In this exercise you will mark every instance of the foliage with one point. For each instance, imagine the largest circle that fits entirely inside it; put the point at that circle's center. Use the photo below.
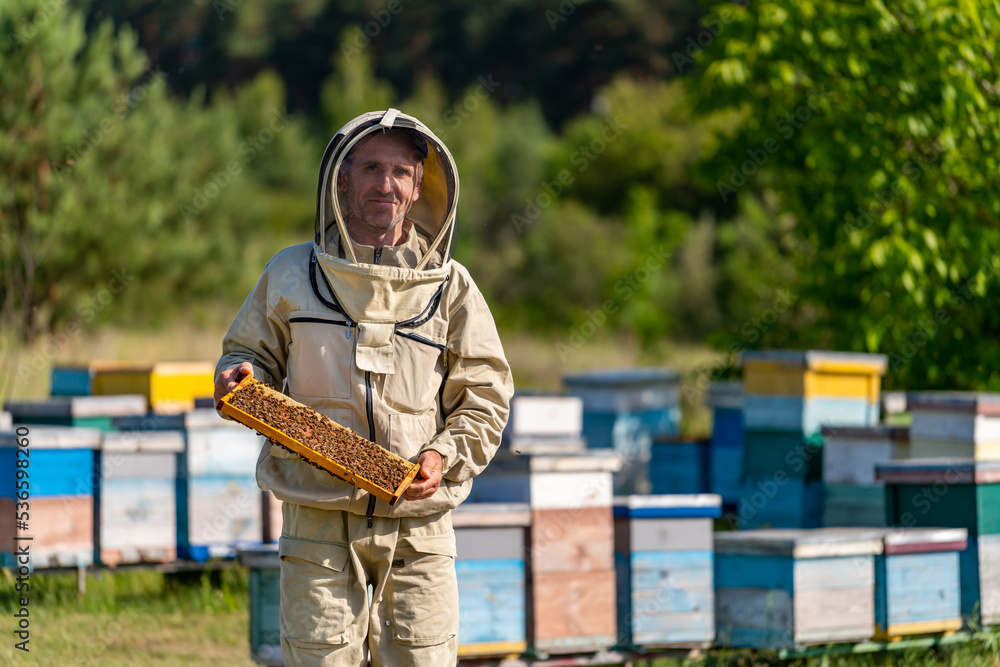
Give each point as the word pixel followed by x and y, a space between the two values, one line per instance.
pixel 124 203
pixel 877 126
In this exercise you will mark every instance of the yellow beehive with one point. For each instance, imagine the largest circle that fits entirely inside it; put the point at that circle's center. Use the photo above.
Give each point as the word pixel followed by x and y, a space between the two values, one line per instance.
pixel 814 374
pixel 169 387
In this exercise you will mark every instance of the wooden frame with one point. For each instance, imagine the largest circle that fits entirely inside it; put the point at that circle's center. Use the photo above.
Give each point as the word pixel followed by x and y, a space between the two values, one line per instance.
pixel 306 452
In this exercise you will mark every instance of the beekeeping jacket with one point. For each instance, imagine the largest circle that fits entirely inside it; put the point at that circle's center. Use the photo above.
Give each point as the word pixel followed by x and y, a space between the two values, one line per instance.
pixel 395 343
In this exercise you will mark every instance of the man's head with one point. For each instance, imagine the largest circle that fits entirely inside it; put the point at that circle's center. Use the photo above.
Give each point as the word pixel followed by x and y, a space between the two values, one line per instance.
pixel 380 179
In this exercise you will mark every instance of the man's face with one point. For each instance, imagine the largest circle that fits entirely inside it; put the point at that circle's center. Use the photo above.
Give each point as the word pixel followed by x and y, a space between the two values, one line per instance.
pixel 380 183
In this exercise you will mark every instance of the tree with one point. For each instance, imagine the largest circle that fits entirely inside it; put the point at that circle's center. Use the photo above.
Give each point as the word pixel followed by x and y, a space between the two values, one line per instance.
pixel 878 126
pixel 119 203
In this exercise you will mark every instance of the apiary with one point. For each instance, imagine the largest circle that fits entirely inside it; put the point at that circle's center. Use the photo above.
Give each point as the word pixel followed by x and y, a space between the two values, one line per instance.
pixel 954 493
pixel 852 495
pixel 789 588
pixel 90 411
pixel 136 497
pixel 319 440
pixel 169 387
pixel 625 409
pixel 955 424
pixel 917 589
pixel 491 541
pixel 58 489
pixel 664 564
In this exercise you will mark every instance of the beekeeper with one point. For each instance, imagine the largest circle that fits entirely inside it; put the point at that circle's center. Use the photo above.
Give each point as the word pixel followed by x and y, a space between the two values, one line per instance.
pixel 375 325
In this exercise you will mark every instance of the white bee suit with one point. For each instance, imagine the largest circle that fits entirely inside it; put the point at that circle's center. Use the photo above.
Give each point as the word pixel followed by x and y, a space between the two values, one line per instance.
pixel 398 344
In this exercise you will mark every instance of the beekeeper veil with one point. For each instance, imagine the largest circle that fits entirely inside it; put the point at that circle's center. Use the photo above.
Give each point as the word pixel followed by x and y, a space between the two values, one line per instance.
pixel 381 298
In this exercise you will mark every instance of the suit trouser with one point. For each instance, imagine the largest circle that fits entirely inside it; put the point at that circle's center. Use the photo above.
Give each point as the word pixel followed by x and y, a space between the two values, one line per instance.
pixel 328 561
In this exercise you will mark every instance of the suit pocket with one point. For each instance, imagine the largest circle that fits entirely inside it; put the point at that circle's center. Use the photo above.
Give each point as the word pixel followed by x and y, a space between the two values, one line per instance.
pixel 315 591
pixel 320 357
pixel 424 591
pixel 408 433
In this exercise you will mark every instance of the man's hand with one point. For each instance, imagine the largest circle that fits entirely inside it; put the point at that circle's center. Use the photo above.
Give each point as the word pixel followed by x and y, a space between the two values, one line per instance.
pixel 428 479
pixel 229 378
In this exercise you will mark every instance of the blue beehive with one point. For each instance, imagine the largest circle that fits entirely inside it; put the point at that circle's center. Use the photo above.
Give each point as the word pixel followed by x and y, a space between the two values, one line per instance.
pixel 664 568
pixel 727 445
pixel 625 409
pixel 679 465
pixel 917 588
pixel 491 568
pixel 58 492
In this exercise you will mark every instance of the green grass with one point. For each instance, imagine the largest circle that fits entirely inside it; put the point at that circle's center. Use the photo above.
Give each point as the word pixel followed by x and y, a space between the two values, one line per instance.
pixel 136 617
pixel 143 617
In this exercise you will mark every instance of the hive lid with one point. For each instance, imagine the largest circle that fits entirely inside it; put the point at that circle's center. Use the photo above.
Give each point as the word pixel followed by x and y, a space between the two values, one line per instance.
pixel 668 506
pixel 55 437
pixel 924 540
pixel 938 470
pixel 801 542
pixel 983 403
pixel 867 433
pixel 820 360
pixel 725 395
pixel 80 406
pixel 623 377
pixel 481 515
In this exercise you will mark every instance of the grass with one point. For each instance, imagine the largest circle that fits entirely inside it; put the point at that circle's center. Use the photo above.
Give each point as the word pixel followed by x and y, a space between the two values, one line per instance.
pixel 201 619
pixel 135 617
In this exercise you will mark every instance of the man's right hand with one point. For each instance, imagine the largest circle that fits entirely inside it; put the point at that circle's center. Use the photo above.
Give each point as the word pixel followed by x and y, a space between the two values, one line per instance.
pixel 229 378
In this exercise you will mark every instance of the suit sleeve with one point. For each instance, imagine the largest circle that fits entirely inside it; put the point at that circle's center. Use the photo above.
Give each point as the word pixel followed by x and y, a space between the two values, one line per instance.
pixel 259 336
pixel 476 393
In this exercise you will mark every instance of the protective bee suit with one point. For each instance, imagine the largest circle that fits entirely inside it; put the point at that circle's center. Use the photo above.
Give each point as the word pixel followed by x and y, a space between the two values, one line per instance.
pixel 398 344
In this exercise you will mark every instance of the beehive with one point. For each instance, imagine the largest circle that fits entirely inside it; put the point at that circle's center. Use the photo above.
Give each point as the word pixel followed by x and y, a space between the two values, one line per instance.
pixel 917 588
pixel 852 495
pixel 169 387
pixel 954 493
pixel 625 409
pixel 679 465
pixel 784 589
pixel 319 440
pixel 571 564
pixel 727 445
pixel 264 567
pixel 90 411
pixel 136 497
pixel 219 504
pixel 545 424
pixel 664 563
pixel 955 424
pixel 60 495
pixel 491 541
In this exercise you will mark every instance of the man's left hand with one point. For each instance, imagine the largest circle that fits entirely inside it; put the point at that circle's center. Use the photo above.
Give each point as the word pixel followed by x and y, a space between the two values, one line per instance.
pixel 428 479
